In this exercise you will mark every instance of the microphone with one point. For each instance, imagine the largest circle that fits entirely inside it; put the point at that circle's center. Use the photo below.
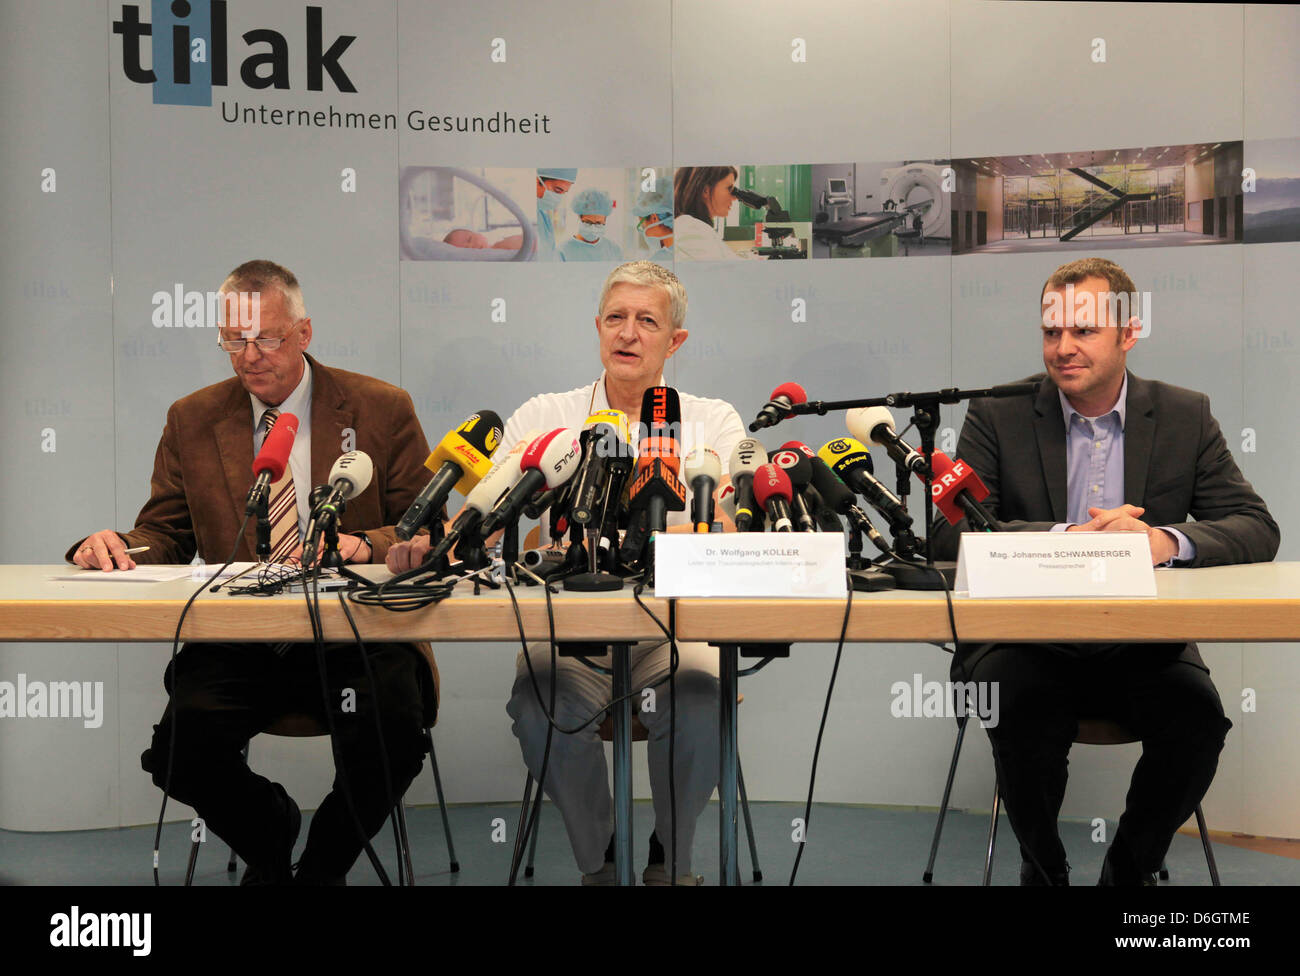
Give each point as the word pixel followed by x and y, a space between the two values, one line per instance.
pixel 655 486
pixel 876 424
pixel 850 460
pixel 748 456
pixel 777 409
pixel 349 477
pixel 269 465
pixel 799 470
pixel 480 501
pixel 461 458
pixel 837 496
pixel 605 445
pixel 772 491
pixel 550 460
pixel 958 491
pixel 703 471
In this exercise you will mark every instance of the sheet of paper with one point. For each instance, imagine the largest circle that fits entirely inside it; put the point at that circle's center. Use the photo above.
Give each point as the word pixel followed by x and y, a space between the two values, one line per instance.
pixel 154 573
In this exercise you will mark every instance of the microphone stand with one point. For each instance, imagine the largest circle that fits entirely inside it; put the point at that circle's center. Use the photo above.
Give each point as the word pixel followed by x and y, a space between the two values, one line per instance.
pixel 865 577
pixel 594 580
pixel 510 548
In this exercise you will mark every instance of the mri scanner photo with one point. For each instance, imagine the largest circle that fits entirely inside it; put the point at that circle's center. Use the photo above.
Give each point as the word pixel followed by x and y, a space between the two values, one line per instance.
pixel 450 214
pixel 881 210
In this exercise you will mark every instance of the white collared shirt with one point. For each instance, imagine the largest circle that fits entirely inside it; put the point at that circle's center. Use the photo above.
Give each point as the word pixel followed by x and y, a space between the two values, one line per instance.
pixel 706 422
pixel 297 403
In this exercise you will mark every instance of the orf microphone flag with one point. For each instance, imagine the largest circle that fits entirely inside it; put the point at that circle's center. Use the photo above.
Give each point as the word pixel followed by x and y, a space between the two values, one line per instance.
pixel 958 491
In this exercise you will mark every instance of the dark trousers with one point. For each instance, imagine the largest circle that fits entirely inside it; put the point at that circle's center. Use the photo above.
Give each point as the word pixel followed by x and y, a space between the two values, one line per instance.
pixel 223 694
pixel 1170 704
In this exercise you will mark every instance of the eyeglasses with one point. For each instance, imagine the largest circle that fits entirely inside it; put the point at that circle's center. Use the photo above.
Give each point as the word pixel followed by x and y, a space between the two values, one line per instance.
pixel 263 343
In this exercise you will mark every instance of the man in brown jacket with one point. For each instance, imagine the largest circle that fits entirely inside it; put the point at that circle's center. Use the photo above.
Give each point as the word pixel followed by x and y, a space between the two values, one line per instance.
pixel 222 694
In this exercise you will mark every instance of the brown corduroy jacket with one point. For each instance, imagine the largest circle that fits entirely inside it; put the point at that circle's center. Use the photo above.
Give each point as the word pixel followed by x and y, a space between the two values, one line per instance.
pixel 203 468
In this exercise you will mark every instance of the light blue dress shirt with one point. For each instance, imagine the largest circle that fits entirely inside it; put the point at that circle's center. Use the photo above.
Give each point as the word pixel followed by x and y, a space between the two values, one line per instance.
pixel 1094 457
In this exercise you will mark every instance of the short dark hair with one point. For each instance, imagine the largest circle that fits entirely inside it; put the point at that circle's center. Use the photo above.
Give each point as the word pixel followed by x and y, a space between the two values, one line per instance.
pixel 1076 271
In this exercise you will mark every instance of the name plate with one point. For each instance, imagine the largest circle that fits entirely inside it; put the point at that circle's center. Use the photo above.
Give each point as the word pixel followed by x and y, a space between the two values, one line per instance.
pixel 737 564
pixel 1055 564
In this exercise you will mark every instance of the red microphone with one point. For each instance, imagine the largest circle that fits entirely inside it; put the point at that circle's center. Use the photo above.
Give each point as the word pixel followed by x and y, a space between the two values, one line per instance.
pixel 777 409
pixel 958 491
pixel 271 460
pixel 773 491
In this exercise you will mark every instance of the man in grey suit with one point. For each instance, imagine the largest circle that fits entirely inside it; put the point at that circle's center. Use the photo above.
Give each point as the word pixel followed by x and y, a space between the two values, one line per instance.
pixel 1101 450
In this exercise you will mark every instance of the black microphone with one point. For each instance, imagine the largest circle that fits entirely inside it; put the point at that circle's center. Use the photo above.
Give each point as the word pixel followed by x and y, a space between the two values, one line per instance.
pixel 876 424
pixel 604 455
pixel 778 407
pixel 838 498
pixel 851 461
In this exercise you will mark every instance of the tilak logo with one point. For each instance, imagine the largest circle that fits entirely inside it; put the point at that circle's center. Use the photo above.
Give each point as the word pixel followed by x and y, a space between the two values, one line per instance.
pixel 191 52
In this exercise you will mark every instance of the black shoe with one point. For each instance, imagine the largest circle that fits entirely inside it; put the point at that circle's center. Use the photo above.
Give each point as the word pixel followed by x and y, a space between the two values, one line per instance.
pixel 281 871
pixel 1119 870
pixel 657 855
pixel 1031 877
pixel 306 879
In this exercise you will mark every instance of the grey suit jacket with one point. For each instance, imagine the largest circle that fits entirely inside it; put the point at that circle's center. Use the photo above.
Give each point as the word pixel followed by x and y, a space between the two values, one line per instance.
pixel 1176 465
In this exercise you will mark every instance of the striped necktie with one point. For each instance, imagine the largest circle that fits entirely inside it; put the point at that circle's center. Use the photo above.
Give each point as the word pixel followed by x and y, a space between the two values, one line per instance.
pixel 283 507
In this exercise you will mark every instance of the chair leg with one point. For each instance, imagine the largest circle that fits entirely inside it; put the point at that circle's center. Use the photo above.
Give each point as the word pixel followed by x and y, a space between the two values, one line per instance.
pixel 404 842
pixel 749 824
pixel 189 868
pixel 397 845
pixel 928 876
pixel 993 833
pixel 1205 843
pixel 532 843
pixel 442 802
pixel 520 839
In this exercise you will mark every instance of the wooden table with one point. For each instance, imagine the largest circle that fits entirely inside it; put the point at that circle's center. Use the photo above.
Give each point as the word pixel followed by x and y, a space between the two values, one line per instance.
pixel 1259 602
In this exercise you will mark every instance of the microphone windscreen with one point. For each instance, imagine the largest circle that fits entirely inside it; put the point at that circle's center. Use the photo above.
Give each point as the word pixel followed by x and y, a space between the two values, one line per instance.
pixel 862 421
pixel 747 457
pixel 702 461
pixel 791 391
pixel 355 469
pixel 797 467
pixel 274 454
pixel 771 482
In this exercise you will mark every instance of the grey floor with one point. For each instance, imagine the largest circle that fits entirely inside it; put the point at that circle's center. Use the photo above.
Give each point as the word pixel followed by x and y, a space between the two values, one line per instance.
pixel 847 845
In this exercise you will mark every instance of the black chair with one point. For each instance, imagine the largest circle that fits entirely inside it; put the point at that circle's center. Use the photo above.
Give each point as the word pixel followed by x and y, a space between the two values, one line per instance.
pixel 1092 731
pixel 304 726
pixel 639 734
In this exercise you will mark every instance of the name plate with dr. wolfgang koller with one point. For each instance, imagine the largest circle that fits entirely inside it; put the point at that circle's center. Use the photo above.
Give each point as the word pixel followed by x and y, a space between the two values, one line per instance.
pixel 1055 564
pixel 769 564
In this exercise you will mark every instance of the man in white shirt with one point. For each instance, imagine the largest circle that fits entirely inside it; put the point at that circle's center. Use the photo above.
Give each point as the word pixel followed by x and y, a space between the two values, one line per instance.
pixel 640 326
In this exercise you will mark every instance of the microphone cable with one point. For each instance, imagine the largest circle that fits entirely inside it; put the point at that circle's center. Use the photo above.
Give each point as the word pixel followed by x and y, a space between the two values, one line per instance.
pixel 379 732
pixel 171 694
pixel 549 712
pixel 821 729
pixel 529 817
pixel 318 638
pixel 673 660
